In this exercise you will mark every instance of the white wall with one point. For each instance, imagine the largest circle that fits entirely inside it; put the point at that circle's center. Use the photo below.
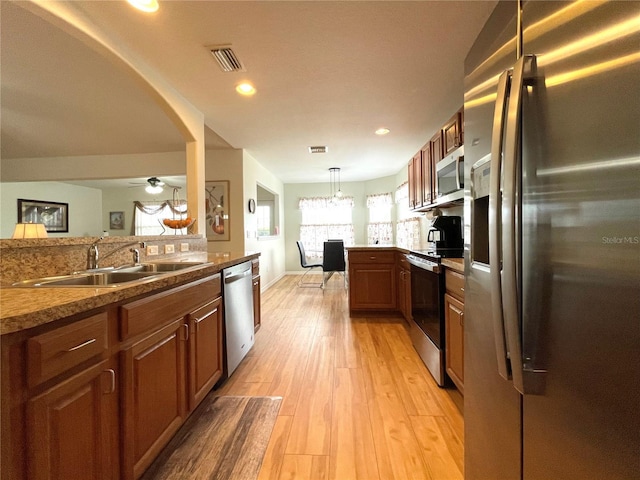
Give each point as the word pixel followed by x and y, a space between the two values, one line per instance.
pixel 228 165
pixel 85 206
pixel 272 249
pixel 121 200
pixel 90 167
pixel 357 190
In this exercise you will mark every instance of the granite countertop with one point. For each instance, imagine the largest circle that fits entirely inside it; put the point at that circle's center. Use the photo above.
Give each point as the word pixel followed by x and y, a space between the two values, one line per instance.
pixel 23 307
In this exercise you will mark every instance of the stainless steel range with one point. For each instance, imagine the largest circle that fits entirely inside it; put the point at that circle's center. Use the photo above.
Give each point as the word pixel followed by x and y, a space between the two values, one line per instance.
pixel 427 292
pixel 427 325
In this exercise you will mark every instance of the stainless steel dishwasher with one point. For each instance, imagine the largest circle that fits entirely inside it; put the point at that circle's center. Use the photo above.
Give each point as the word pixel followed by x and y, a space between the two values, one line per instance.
pixel 238 313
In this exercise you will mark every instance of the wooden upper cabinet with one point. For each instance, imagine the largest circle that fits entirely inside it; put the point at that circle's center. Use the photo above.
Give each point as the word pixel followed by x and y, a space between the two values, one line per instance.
pixel 415 181
pixel 437 153
pixel 452 134
pixel 427 175
pixel 412 181
pixel 422 167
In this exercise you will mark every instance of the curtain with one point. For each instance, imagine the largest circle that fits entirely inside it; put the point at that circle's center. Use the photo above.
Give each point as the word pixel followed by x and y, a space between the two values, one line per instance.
pixel 380 233
pixel 402 193
pixel 148 216
pixel 379 200
pixel 408 233
pixel 325 218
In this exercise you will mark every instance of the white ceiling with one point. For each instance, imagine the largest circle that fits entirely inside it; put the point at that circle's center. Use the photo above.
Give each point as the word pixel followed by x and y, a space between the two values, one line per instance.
pixel 326 73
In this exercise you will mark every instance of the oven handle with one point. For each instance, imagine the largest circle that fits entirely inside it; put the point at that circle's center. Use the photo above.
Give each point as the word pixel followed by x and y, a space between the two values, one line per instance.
pixel 422 265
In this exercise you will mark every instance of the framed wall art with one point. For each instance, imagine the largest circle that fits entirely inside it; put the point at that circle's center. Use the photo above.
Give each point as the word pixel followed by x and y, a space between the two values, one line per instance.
pixel 217 210
pixel 54 215
pixel 116 220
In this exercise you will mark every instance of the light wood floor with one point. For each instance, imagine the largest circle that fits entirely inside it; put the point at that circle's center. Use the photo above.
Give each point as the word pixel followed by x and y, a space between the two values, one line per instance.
pixel 358 403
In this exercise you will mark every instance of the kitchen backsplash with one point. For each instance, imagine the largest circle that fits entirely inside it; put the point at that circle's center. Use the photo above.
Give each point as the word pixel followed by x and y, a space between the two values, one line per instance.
pixel 25 259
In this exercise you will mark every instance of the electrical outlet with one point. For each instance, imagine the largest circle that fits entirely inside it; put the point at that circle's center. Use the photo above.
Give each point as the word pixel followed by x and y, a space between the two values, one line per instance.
pixel 184 247
pixel 152 250
pixel 169 248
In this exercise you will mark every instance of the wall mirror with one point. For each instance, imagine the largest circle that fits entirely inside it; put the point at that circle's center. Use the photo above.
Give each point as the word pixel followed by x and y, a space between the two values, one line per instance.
pixel 73 122
pixel 267 212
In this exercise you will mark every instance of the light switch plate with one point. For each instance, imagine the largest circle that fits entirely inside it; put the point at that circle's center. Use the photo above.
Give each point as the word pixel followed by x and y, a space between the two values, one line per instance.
pixel 184 247
pixel 152 250
pixel 169 248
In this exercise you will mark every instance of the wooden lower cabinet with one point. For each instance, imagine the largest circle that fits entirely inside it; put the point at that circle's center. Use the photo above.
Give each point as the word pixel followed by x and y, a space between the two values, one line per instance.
pixel 454 325
pixel 404 287
pixel 68 427
pixel 168 368
pixel 154 395
pixel 372 280
pixel 98 397
pixel 256 303
pixel 205 350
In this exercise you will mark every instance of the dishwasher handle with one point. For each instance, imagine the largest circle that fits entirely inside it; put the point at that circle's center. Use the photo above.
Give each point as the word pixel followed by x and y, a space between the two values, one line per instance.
pixel 238 276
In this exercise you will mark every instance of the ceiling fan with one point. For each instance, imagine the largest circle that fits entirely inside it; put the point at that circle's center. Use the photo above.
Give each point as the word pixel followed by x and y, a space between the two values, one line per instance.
pixel 154 185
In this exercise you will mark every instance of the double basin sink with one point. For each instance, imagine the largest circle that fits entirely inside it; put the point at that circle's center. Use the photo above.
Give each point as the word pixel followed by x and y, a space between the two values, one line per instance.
pixel 110 277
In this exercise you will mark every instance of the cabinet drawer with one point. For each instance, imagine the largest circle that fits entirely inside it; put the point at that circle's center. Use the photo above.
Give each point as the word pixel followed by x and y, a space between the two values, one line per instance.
pixel 138 317
pixel 57 351
pixel 403 263
pixel 372 256
pixel 454 282
pixel 255 267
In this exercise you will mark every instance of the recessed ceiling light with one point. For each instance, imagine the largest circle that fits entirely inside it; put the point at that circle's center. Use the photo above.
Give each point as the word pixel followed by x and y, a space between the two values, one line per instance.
pixel 148 6
pixel 245 89
pixel 382 131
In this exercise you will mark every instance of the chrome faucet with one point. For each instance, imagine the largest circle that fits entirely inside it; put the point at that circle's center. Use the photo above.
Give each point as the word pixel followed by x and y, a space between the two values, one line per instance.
pixel 94 254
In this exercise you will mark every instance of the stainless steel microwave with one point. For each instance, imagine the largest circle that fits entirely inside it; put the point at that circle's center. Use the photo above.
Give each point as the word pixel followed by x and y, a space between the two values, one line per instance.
pixel 450 177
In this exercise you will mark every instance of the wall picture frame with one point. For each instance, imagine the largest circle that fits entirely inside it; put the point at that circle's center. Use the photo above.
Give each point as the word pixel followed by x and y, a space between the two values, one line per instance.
pixel 217 208
pixel 116 220
pixel 54 215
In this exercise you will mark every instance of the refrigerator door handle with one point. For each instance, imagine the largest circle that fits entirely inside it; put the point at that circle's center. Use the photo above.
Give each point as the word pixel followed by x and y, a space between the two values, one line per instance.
pixel 495 202
pixel 511 300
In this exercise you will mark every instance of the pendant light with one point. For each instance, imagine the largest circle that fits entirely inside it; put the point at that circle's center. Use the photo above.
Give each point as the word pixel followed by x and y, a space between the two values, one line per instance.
pixel 334 180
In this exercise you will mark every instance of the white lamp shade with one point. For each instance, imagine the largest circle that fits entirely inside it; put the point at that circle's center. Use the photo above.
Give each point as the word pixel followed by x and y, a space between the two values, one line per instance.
pixel 30 230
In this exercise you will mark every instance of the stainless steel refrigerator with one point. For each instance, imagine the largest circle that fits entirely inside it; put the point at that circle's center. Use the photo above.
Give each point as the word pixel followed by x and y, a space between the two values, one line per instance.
pixel 552 243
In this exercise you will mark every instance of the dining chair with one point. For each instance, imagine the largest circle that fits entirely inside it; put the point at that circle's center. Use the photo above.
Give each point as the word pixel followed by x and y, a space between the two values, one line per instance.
pixel 333 261
pixel 308 267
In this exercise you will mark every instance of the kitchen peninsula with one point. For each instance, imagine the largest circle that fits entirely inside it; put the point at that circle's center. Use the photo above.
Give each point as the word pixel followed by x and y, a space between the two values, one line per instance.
pixel 80 396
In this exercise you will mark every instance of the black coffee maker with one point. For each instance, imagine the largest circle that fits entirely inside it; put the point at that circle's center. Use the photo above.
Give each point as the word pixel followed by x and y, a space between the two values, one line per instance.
pixel 445 236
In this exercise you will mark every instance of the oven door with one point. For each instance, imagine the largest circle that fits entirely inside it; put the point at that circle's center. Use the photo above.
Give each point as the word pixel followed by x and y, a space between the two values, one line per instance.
pixel 426 301
pixel 427 328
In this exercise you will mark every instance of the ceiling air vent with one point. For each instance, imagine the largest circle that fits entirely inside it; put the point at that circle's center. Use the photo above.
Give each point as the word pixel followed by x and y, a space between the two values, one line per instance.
pixel 227 59
pixel 318 149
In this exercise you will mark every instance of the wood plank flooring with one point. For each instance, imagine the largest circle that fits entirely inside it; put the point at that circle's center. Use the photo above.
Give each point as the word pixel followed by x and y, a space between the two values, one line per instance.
pixel 357 401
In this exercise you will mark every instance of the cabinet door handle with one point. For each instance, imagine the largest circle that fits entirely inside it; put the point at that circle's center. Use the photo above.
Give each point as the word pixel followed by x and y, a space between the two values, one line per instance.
pixel 456 310
pixel 461 319
pixel 112 383
pixel 186 331
pixel 255 284
pixel 83 344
